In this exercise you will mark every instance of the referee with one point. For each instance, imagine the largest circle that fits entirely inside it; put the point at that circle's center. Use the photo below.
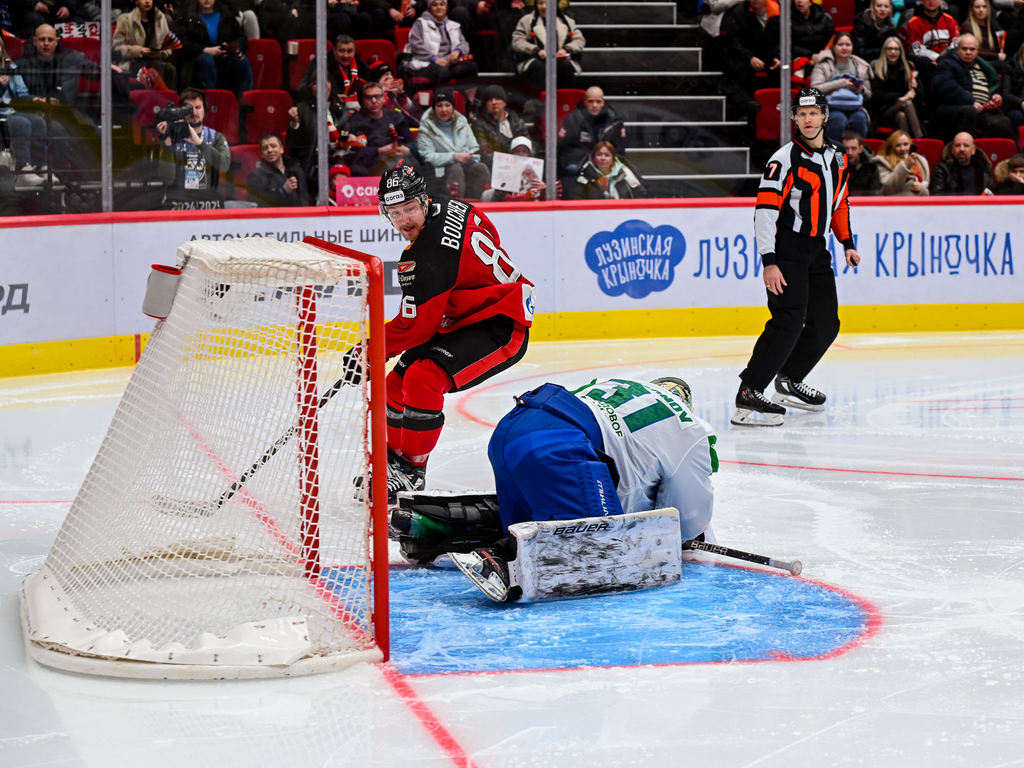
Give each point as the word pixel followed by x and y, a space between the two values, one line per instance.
pixel 803 192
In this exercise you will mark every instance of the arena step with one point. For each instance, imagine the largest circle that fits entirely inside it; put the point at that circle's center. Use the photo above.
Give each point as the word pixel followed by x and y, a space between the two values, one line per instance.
pixel 690 161
pixel 645 60
pixel 727 185
pixel 634 83
pixel 687 134
pixel 623 13
pixel 669 108
pixel 649 35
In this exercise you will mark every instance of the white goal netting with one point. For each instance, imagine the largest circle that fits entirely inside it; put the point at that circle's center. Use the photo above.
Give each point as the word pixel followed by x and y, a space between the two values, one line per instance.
pixel 217 533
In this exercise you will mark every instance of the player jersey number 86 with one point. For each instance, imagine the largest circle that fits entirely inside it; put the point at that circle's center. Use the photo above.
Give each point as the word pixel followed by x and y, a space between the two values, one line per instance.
pixel 493 256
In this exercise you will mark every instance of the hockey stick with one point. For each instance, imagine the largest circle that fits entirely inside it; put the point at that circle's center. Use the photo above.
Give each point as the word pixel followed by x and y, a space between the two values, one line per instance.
pixel 794 567
pixel 182 508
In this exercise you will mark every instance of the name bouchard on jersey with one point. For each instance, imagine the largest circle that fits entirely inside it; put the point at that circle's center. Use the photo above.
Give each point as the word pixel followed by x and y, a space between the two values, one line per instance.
pixel 454 226
pixel 636 258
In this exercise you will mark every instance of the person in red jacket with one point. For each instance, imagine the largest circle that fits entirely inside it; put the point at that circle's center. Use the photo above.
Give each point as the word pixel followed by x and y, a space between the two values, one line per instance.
pixel 465 316
pixel 927 35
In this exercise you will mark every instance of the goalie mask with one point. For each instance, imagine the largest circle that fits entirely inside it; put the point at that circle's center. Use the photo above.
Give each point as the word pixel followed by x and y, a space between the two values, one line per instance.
pixel 400 185
pixel 677 387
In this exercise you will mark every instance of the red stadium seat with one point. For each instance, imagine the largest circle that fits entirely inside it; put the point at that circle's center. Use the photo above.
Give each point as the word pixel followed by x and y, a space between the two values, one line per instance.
pixel 931 149
pixel 841 11
pixel 243 161
pixel 90 46
pixel 567 98
pixel 13 45
pixel 401 38
pixel 148 103
pixel 997 149
pixel 377 50
pixel 766 125
pixel 873 144
pixel 1020 137
pixel 265 59
pixel 300 62
pixel 265 112
pixel 222 113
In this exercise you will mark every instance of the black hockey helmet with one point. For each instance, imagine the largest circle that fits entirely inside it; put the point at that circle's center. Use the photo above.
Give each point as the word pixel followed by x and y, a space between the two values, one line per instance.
pixel 677 387
pixel 400 185
pixel 810 97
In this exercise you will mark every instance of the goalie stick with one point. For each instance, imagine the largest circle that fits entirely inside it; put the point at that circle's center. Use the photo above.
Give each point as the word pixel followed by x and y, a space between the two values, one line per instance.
pixel 182 508
pixel 794 567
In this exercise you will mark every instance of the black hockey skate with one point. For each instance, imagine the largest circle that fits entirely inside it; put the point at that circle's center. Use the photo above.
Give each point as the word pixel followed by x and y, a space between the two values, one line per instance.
pixel 796 394
pixel 489 571
pixel 753 409
pixel 403 475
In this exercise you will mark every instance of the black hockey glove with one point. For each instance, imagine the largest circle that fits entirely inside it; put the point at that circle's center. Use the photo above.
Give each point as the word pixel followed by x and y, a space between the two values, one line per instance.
pixel 352 365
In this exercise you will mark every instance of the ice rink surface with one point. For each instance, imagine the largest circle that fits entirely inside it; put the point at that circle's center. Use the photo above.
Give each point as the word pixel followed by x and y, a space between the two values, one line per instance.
pixel 906 493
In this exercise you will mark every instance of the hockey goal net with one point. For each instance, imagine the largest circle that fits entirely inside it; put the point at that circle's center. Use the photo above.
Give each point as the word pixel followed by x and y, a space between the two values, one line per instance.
pixel 217 534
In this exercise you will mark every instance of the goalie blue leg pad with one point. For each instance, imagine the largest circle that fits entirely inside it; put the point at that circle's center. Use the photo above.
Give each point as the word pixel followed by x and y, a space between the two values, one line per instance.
pixel 596 555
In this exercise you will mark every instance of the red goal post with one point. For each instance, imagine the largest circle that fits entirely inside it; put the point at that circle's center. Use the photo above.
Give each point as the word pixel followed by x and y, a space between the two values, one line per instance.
pixel 217 533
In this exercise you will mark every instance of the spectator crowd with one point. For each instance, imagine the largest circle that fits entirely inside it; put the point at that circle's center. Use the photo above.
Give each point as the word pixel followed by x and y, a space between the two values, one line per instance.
pixel 222 102
pixel 904 72
pixel 185 78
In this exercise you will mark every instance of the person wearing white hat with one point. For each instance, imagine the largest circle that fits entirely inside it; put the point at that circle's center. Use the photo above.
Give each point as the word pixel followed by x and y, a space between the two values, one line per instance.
pixel 534 186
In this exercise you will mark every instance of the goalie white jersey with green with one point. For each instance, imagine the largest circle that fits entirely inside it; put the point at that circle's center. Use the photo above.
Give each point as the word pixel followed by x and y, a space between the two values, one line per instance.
pixel 664 455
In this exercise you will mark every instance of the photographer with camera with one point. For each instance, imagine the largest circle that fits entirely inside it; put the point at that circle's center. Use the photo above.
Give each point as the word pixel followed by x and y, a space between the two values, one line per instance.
pixel 192 156
pixel 277 181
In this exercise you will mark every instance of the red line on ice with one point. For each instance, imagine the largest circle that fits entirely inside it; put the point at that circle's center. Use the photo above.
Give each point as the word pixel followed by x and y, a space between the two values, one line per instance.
pixel 871 471
pixel 427 718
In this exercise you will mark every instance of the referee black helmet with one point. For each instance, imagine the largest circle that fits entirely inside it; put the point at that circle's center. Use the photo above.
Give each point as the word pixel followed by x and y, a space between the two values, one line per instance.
pixel 811 97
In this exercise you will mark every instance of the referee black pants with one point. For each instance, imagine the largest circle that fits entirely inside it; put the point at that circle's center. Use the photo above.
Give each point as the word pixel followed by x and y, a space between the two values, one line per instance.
pixel 805 317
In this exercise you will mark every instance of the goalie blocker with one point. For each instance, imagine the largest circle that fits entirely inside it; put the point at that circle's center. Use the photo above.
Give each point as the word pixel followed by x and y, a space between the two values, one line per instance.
pixel 572 558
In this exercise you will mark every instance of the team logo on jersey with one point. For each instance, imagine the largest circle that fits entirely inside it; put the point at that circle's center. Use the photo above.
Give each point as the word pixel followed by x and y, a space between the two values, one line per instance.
pixel 406 266
pixel 636 259
pixel 841 157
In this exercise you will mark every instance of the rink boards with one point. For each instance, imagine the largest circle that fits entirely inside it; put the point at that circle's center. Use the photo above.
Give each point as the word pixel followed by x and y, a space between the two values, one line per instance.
pixel 71 288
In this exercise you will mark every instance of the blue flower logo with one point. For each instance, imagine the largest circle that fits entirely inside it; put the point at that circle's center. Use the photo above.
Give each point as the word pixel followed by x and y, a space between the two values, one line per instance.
pixel 636 259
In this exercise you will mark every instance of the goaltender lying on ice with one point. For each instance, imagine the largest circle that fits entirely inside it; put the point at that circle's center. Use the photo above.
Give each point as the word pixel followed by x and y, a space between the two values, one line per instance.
pixel 598 488
pixel 612 449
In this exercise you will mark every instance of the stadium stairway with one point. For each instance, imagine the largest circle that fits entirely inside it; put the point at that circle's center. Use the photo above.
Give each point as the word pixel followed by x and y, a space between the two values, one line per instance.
pixel 653 71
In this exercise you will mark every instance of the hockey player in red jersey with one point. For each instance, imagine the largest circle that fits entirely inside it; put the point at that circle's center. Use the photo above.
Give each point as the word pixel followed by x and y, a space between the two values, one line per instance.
pixel 465 315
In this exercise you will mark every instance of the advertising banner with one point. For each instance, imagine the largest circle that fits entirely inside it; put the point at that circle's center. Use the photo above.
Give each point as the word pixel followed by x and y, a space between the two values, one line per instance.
pixel 86 280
